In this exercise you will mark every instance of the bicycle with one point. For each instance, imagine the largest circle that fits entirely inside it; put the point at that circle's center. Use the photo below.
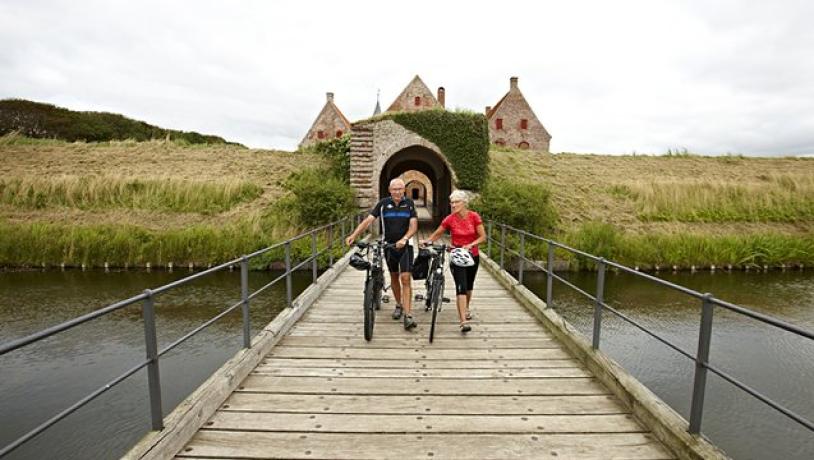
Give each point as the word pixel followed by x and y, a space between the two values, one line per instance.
pixel 435 284
pixel 374 281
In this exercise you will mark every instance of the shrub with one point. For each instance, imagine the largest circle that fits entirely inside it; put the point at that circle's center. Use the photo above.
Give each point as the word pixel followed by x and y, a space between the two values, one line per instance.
pixel 522 205
pixel 338 152
pixel 316 197
pixel 35 119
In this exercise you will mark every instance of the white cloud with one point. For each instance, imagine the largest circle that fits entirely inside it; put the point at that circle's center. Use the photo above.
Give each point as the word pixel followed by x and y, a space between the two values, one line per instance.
pixel 607 77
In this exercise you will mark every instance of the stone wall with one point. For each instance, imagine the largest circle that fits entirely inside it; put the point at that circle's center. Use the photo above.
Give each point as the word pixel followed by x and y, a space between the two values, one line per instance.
pixel 373 144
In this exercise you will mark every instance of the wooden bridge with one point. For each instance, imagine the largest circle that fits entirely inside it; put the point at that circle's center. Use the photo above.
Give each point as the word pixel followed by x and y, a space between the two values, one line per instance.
pixel 505 390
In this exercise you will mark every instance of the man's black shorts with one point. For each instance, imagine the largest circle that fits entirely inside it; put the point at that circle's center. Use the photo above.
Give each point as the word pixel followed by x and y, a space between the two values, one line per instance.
pixel 399 261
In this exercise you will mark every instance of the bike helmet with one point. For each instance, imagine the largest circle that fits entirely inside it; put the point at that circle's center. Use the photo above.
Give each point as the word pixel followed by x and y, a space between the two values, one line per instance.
pixel 359 262
pixel 461 257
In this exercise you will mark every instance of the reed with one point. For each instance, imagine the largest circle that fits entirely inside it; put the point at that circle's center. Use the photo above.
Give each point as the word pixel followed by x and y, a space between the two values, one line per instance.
pixel 775 198
pixel 119 192
pixel 685 250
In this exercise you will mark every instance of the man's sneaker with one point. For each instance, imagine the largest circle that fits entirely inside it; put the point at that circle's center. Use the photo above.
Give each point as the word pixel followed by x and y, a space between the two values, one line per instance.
pixel 409 323
pixel 397 312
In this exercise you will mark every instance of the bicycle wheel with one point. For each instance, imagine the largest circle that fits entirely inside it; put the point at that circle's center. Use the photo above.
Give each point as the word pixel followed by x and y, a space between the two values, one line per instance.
pixel 437 295
pixel 369 310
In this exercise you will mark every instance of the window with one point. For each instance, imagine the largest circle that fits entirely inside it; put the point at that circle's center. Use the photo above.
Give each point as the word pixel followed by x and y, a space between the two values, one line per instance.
pixel 499 123
pixel 320 134
pixel 523 145
pixel 524 124
pixel 417 101
pixel 338 133
pixel 500 142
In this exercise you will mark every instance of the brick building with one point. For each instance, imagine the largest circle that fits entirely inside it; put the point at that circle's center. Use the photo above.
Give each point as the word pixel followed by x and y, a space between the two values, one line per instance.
pixel 512 123
pixel 330 124
pixel 417 96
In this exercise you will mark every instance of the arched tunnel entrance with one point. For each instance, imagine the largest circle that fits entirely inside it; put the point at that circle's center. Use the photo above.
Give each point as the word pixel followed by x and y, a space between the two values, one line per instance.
pixel 427 177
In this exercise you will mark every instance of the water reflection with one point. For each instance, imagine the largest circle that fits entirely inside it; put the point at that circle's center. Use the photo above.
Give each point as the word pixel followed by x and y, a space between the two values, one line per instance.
pixel 776 363
pixel 43 379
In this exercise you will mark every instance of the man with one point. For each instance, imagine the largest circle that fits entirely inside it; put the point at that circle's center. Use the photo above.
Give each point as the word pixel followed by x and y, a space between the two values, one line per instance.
pixel 400 224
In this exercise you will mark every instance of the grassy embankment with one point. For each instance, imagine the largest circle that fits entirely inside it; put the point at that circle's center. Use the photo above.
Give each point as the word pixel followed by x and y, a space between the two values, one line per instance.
pixel 683 210
pixel 133 203
pixel 130 203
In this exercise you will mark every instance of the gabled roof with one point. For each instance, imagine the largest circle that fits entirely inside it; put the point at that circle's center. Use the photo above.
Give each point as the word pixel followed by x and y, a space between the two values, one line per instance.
pixel 515 93
pixel 416 85
pixel 496 106
pixel 327 109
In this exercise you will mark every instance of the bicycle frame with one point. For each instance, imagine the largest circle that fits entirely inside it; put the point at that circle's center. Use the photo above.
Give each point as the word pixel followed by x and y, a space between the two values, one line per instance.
pixel 438 259
pixel 435 282
pixel 374 283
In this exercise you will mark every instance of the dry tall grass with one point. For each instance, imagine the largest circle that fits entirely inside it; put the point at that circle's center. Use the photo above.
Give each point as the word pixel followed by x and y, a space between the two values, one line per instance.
pixel 111 192
pixel 776 198
pixel 186 170
pixel 629 191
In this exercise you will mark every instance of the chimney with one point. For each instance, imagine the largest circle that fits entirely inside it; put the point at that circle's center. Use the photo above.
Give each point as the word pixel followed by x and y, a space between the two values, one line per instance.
pixel 488 109
pixel 442 99
pixel 330 97
pixel 513 83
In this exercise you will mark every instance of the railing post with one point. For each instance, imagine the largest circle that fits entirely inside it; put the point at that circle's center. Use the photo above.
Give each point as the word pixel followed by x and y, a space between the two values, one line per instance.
pixel 288 288
pixel 549 287
pixel 502 243
pixel 489 238
pixel 522 257
pixel 600 298
pixel 153 376
pixel 314 256
pixel 701 361
pixel 244 295
pixel 331 245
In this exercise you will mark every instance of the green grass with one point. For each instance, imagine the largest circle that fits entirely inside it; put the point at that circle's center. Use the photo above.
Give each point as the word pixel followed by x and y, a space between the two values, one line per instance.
pixel 667 249
pixel 32 244
pixel 112 192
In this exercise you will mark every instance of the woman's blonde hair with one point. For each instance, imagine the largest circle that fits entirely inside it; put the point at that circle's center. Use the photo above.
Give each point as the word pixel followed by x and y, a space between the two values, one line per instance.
pixel 459 195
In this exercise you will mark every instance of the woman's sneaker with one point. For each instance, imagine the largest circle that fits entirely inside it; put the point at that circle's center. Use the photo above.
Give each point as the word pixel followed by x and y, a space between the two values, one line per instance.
pixel 397 312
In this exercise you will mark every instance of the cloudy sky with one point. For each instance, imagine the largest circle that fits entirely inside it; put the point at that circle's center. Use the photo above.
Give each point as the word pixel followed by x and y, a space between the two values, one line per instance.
pixel 711 77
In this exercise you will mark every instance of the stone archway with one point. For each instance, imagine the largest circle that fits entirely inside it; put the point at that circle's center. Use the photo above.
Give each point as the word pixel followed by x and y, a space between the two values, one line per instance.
pixel 382 150
pixel 418 187
pixel 417 191
pixel 423 160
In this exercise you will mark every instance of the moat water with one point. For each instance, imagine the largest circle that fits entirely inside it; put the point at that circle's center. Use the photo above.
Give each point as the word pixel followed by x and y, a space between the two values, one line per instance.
pixel 40 380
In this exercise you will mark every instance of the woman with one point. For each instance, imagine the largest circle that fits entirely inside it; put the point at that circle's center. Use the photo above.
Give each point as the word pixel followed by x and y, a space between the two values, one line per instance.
pixel 466 228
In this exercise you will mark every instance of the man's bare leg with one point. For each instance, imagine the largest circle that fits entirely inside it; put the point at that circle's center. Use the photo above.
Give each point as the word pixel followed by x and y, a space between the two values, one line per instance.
pixel 406 293
pixel 396 287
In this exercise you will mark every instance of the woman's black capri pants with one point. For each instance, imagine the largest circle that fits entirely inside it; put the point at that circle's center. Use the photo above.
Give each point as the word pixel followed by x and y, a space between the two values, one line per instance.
pixel 464 277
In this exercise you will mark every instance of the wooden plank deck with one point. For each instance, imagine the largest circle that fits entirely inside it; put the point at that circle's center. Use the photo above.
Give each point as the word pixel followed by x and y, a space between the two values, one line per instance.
pixel 505 390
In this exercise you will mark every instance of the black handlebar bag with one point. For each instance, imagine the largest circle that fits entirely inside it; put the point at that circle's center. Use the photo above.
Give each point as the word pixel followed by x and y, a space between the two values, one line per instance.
pixel 421 264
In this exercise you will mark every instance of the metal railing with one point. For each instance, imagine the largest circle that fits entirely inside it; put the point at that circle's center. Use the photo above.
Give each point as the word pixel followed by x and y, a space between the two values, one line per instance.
pixel 707 300
pixel 147 299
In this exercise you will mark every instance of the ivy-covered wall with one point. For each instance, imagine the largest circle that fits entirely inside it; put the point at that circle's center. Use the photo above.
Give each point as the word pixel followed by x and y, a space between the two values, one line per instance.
pixel 463 138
